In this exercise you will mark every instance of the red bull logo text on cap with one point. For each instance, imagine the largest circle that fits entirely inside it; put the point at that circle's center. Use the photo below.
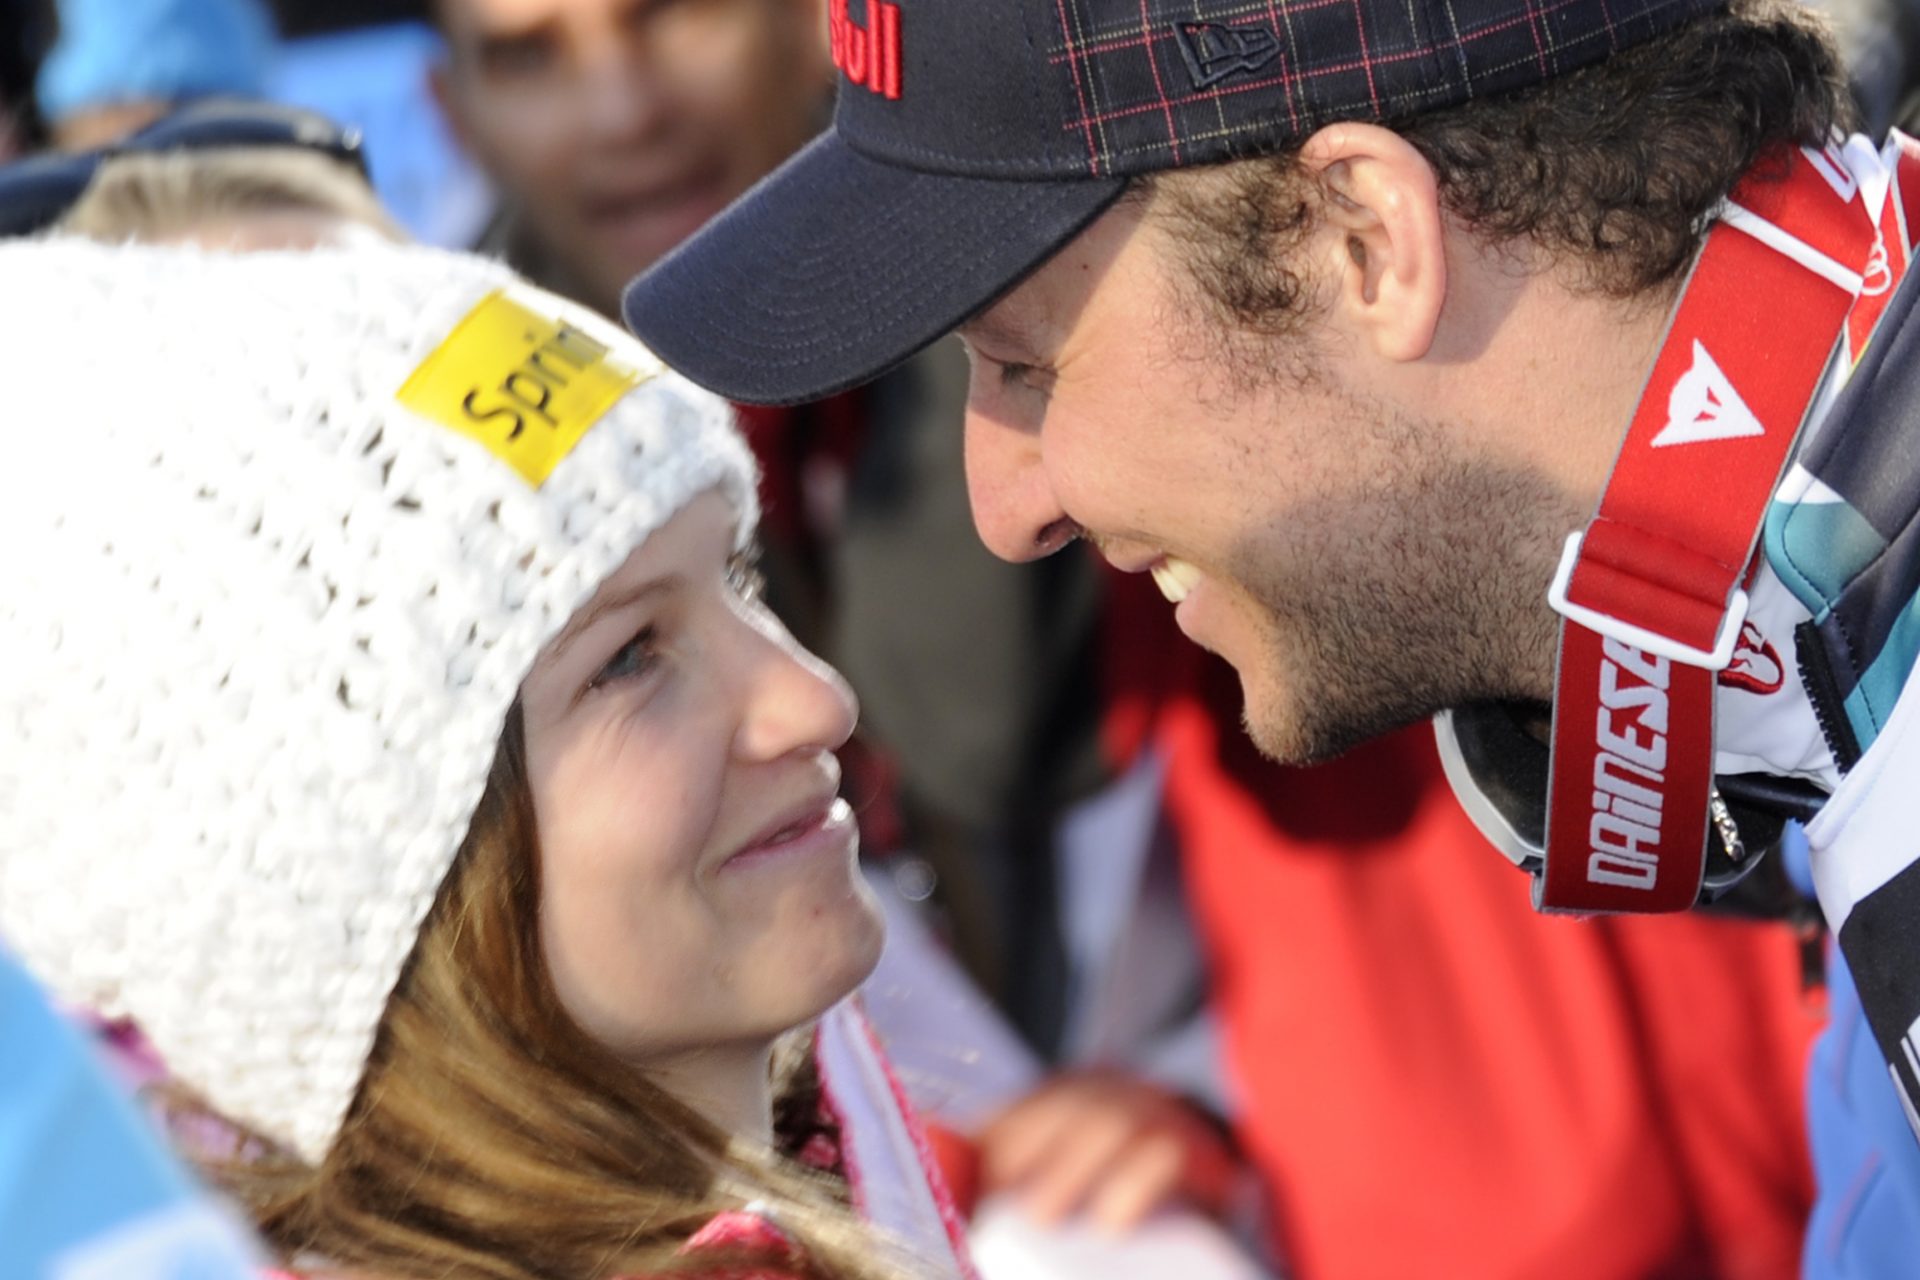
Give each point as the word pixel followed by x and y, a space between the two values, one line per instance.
pixel 868 55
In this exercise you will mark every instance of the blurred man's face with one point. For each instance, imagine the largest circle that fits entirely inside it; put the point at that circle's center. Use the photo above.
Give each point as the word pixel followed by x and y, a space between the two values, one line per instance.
pixel 617 127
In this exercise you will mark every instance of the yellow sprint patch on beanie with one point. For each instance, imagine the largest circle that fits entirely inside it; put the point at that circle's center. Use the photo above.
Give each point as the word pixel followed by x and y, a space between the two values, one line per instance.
pixel 521 382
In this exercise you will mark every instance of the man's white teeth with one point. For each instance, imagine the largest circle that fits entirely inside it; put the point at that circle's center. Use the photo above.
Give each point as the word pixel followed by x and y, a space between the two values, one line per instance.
pixel 1175 578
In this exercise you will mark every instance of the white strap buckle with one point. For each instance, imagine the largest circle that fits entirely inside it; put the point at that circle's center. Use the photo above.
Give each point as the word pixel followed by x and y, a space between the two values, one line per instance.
pixel 1714 659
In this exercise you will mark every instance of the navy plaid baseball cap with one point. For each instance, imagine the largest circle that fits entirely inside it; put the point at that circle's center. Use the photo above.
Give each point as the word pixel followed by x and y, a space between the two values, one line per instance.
pixel 974 138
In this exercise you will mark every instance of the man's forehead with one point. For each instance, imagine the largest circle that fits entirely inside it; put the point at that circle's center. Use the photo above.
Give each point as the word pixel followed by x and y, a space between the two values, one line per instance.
pixel 1037 314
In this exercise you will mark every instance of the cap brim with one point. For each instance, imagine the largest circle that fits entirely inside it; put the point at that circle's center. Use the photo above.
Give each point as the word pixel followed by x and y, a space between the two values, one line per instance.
pixel 836 267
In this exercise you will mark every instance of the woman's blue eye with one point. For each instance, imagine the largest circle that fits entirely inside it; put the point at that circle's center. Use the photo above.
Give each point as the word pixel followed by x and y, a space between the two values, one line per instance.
pixel 634 658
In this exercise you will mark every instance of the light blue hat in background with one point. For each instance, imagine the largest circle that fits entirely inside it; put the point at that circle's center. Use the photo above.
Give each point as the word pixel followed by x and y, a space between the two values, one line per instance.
pixel 115 51
pixel 85 1188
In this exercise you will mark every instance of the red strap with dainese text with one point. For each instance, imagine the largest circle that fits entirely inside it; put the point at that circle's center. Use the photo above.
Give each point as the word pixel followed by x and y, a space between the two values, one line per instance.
pixel 1650 592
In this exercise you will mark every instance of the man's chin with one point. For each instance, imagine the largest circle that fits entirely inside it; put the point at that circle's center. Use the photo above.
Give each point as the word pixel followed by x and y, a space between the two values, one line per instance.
pixel 1287 730
pixel 1290 743
pixel 1280 729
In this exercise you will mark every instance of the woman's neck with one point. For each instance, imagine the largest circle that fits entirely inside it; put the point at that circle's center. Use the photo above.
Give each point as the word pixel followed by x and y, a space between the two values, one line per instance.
pixel 729 1086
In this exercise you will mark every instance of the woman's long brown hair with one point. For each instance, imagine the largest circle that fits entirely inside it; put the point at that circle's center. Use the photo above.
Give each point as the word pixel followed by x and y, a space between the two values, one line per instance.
pixel 491 1137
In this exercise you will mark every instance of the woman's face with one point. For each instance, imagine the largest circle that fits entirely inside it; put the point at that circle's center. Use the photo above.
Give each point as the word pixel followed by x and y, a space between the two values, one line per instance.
pixel 698 879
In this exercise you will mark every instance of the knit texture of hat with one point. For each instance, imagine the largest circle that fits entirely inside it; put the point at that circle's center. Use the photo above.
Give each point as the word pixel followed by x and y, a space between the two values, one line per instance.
pixel 264 624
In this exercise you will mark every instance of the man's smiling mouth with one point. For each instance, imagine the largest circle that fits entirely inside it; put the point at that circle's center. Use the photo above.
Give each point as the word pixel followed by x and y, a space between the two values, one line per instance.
pixel 1175 578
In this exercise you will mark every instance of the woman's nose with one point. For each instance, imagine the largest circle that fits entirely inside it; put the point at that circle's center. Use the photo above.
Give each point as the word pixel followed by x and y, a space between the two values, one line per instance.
pixel 795 702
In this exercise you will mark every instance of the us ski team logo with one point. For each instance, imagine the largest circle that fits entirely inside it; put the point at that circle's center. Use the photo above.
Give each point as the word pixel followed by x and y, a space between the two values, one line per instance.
pixel 1704 406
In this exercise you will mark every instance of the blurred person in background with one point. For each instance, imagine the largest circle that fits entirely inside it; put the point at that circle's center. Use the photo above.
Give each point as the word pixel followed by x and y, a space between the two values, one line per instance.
pixel 120 65
pixel 221 171
pixel 471 846
pixel 245 198
pixel 367 64
pixel 117 65
pixel 206 175
pixel 613 129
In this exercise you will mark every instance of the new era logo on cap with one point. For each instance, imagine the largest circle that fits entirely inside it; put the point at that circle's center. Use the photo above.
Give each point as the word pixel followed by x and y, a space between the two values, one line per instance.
pixel 1214 51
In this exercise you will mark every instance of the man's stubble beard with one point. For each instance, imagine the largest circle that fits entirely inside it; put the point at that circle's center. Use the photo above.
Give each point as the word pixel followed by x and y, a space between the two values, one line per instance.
pixel 1422 588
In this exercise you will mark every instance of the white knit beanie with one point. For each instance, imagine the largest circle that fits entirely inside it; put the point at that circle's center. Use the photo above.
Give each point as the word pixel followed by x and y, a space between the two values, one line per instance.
pixel 263 622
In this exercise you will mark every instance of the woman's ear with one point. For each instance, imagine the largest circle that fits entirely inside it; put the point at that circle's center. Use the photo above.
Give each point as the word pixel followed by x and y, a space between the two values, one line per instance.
pixel 1381 216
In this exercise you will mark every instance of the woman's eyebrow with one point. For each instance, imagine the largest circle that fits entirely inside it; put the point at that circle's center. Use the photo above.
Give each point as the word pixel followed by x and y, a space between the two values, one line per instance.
pixel 624 598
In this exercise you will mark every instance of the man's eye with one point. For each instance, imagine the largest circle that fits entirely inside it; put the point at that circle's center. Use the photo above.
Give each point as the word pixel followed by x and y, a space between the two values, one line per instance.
pixel 642 12
pixel 631 660
pixel 744 576
pixel 516 56
pixel 1029 377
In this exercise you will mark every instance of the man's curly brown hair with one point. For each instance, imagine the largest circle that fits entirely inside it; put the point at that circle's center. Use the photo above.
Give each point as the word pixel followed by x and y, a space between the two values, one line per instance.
pixel 1613 170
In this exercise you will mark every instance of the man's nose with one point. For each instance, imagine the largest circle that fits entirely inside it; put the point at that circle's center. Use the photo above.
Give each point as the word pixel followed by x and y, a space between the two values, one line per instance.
pixel 624 94
pixel 1014 507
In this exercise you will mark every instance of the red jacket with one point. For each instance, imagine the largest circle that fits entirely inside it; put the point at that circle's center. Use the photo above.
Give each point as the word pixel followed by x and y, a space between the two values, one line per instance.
pixel 1437 1081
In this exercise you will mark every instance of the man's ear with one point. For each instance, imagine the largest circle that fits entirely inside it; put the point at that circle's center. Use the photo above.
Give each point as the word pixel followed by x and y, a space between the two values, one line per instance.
pixel 1382 218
